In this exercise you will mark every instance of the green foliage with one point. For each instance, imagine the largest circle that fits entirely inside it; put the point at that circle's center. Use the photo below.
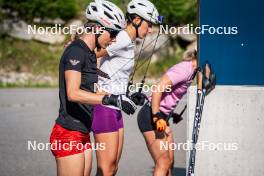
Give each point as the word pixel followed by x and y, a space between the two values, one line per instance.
pixel 177 12
pixel 122 4
pixel 39 58
pixel 159 67
pixel 28 9
pixel 82 4
pixel 28 85
pixel 29 56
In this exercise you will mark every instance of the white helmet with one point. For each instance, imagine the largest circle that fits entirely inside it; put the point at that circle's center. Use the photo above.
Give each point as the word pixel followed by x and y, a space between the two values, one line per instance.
pixel 107 14
pixel 144 9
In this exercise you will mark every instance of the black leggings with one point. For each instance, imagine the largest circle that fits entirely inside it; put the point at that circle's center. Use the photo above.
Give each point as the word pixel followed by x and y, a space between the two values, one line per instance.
pixel 144 119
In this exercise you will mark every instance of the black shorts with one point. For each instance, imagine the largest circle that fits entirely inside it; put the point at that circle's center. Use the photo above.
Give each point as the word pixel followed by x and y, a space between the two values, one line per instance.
pixel 144 119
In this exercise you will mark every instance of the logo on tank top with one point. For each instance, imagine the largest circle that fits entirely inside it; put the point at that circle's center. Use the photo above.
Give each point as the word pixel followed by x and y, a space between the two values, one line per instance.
pixel 74 62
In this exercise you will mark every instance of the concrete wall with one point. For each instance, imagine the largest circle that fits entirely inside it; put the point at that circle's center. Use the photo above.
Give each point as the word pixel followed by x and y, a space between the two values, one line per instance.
pixel 233 115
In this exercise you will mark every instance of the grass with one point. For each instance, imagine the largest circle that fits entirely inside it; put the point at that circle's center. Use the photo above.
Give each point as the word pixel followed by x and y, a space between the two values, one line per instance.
pixel 29 56
pixel 29 85
pixel 42 59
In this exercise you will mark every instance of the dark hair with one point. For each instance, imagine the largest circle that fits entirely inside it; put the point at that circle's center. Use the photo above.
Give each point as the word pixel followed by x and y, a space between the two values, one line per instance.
pixel 130 17
pixel 88 26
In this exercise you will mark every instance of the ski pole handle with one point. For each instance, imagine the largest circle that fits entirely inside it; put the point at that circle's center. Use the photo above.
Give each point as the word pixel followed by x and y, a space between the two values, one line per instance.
pixel 199 80
pixel 141 86
pixel 128 86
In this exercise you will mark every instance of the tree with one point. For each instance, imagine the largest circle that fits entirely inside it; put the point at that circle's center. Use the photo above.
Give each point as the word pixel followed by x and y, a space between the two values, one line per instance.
pixel 177 12
pixel 29 9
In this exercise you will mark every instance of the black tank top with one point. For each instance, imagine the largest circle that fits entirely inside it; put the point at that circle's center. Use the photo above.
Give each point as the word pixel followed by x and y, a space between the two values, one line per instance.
pixel 78 57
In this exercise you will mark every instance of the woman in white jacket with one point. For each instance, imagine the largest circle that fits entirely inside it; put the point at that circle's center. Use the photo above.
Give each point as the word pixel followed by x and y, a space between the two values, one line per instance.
pixel 118 62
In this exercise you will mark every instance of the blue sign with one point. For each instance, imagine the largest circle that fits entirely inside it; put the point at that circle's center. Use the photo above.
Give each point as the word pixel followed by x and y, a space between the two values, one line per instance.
pixel 233 40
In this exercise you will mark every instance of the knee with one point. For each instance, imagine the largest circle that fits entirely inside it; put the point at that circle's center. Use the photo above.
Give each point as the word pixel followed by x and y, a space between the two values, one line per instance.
pixel 107 169
pixel 164 163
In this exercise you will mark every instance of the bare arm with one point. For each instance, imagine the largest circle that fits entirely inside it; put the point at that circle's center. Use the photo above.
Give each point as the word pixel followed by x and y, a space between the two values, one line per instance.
pixel 102 92
pixel 157 94
pixel 75 94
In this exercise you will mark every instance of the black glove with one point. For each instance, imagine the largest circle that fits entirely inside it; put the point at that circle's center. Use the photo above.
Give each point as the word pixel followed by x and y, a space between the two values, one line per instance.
pixel 208 83
pixel 176 118
pixel 138 98
pixel 120 101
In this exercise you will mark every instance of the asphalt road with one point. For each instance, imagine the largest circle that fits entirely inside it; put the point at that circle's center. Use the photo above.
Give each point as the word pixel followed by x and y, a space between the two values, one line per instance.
pixel 27 115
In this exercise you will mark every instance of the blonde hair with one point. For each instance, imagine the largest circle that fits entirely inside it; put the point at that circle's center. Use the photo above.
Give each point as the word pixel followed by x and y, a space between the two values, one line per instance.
pixel 190 55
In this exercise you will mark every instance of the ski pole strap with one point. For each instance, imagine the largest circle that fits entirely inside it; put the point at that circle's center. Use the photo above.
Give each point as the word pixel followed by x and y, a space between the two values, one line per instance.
pixel 176 118
pixel 195 72
pixel 128 87
pixel 141 85
pixel 160 115
pixel 102 74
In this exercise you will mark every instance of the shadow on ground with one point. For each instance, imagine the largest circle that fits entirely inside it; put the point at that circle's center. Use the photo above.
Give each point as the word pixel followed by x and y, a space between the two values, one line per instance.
pixel 179 171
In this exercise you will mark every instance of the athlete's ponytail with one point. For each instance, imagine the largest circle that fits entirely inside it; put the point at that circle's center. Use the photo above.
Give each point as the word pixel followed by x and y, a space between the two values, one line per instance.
pixel 190 55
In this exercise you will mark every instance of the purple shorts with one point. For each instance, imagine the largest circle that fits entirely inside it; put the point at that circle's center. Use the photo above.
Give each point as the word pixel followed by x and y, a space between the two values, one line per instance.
pixel 106 119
